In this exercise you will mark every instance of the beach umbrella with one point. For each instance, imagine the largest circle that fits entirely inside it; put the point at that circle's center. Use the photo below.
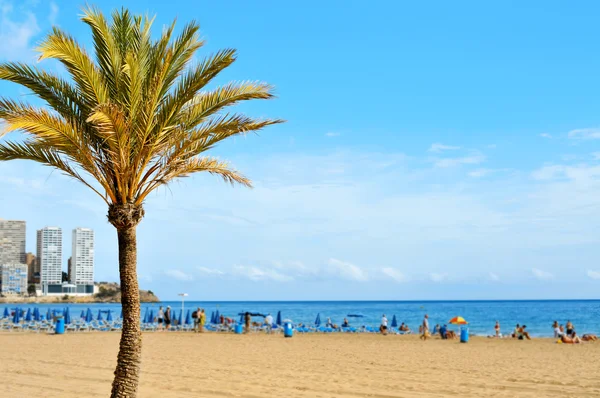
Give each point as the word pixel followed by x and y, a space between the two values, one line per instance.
pixel 6 314
pixel 109 317
pixel 180 320
pixel 67 316
pixel 36 314
pixel 145 318
pixel 458 320
pixel 188 318
pixel 242 317
pixel 318 320
pixel 394 322
pixel 278 321
pixel 82 316
pixel 212 317
pixel 89 317
pixel 28 315
pixel 217 317
pixel 99 315
pixel 48 315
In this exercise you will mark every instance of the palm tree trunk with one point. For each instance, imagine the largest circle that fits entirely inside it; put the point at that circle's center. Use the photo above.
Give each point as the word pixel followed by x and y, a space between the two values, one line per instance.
pixel 125 383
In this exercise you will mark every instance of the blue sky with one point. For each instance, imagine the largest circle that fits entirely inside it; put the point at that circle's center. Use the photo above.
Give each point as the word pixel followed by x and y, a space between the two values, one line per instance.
pixel 447 151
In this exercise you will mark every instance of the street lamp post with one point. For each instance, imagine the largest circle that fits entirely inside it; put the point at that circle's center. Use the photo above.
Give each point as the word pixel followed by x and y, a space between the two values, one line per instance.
pixel 183 296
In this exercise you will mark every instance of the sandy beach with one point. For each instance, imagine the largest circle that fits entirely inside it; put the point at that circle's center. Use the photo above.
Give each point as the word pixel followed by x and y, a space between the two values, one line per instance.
pixel 227 365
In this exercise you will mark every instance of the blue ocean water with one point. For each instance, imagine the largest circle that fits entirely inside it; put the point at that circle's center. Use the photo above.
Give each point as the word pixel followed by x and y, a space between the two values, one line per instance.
pixel 481 315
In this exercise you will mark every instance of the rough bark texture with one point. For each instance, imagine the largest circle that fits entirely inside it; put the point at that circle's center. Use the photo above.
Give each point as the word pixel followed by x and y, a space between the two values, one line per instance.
pixel 125 218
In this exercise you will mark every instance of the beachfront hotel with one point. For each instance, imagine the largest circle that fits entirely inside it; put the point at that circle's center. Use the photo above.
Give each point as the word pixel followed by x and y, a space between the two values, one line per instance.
pixel 81 266
pixel 49 255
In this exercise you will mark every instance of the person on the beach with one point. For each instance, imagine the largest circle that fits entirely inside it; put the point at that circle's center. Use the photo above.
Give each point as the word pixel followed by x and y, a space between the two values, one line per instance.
pixel 161 317
pixel 515 333
pixel 202 321
pixel 404 328
pixel 570 329
pixel 573 339
pixel 425 328
pixel 557 332
pixel 589 337
pixel 247 320
pixel 269 323
pixel 345 324
pixel 168 318
pixel 196 316
pixel 523 334
pixel 497 328
pixel 444 332
pixel 328 324
pixel 436 329
pixel 384 323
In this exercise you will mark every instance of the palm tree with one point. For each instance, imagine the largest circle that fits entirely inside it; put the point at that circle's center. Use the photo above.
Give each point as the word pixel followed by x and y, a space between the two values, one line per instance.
pixel 129 121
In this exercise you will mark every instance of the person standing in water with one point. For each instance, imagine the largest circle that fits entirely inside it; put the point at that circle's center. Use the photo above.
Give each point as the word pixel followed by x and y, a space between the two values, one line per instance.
pixel 497 328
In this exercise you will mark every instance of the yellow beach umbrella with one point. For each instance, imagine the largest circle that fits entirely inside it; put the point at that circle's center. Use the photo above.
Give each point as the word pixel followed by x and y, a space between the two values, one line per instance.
pixel 458 320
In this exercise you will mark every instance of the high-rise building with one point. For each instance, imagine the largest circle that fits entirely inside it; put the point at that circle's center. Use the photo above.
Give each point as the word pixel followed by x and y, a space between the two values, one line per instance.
pixel 33 271
pixel 12 242
pixel 49 254
pixel 81 269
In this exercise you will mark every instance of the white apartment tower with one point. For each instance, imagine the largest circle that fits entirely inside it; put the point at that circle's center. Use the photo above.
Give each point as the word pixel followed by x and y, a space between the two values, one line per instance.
pixel 49 255
pixel 82 259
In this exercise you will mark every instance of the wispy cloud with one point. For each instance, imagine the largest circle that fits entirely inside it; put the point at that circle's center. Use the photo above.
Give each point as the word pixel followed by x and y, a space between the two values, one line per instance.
pixel 210 271
pixel 394 274
pixel 439 147
pixel 585 134
pixel 179 275
pixel 475 158
pixel 479 173
pixel 332 134
pixel 17 29
pixel 347 270
pixel 541 275
pixel 593 274
pixel 545 135
pixel 53 16
pixel 438 277
pixel 256 273
pixel 493 277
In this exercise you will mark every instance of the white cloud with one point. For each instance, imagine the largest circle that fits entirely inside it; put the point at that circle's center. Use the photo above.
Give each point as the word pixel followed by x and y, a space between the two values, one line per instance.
pixel 541 275
pixel 475 158
pixel 394 274
pixel 179 275
pixel 585 134
pixel 210 271
pixel 438 277
pixel 347 270
pixel 545 135
pixel 479 173
pixel 438 147
pixel 16 32
pixel 52 17
pixel 494 277
pixel 596 155
pixel 332 134
pixel 256 273
pixel 593 274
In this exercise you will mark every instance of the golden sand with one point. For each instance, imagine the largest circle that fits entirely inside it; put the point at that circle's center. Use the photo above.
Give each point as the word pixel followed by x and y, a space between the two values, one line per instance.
pixel 227 365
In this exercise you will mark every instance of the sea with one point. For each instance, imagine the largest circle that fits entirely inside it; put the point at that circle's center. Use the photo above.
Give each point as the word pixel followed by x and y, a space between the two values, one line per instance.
pixel 538 315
